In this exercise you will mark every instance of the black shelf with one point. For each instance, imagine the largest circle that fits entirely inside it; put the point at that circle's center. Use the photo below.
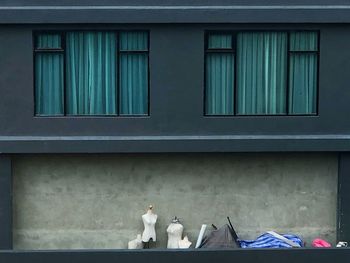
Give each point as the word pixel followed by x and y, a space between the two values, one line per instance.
pixel 299 255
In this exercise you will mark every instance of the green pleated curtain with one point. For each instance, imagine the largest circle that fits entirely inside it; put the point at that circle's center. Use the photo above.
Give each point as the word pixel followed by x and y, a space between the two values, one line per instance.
pixel 303 72
pixel 261 77
pixel 220 76
pixel 91 73
pixel 133 72
pixel 262 73
pixel 49 77
pixel 220 41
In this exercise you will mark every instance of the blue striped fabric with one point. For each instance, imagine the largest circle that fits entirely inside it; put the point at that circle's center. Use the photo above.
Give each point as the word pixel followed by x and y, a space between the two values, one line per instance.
pixel 268 241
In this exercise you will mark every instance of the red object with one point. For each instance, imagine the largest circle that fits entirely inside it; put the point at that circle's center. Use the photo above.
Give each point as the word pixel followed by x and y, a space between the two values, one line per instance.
pixel 320 243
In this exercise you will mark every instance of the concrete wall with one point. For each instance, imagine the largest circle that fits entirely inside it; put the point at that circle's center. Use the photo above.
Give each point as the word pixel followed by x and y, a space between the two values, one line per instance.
pixel 95 201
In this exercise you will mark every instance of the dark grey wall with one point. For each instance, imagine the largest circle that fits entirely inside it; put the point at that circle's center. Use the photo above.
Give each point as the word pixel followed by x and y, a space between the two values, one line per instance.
pixel 176 121
pixel 5 202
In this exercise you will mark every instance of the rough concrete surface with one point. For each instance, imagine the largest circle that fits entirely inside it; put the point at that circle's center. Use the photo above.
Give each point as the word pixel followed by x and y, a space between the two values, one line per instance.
pixel 96 201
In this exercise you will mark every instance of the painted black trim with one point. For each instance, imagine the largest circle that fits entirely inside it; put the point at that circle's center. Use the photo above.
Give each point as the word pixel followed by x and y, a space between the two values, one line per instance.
pixel 318 72
pixel 47 50
pixel 288 73
pixel 64 46
pixel 5 202
pixel 149 74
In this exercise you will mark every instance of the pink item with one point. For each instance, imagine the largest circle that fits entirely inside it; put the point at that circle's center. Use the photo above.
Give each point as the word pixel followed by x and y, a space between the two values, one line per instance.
pixel 320 243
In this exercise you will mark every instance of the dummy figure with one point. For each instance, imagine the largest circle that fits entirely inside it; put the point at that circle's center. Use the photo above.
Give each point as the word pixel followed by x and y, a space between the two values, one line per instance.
pixel 149 221
pixel 136 243
pixel 174 230
pixel 185 243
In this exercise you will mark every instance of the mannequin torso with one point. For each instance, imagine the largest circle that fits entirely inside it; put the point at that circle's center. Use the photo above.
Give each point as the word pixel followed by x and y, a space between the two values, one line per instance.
pixel 136 243
pixel 185 243
pixel 149 220
pixel 174 234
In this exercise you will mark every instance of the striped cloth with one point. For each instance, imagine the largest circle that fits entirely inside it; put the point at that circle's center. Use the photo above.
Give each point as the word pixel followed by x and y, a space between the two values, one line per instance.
pixel 269 241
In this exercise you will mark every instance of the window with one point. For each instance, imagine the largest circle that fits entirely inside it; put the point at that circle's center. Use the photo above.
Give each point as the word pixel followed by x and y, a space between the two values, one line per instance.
pixel 91 73
pixel 261 73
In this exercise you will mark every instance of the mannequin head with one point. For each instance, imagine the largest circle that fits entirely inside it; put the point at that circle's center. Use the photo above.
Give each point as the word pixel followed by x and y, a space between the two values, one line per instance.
pixel 175 220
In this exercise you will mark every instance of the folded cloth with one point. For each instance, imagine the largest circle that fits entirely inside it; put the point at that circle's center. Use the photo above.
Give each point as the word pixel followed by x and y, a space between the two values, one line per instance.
pixel 320 243
pixel 267 240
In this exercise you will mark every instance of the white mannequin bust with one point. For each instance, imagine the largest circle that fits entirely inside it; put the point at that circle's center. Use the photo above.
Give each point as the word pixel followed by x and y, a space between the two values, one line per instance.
pixel 149 221
pixel 174 230
pixel 136 243
pixel 185 243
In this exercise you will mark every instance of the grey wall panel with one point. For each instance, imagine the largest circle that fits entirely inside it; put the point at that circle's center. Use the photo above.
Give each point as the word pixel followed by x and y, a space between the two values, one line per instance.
pixel 97 202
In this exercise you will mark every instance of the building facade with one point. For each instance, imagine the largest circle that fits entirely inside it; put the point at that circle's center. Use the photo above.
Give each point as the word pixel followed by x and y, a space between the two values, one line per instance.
pixel 203 109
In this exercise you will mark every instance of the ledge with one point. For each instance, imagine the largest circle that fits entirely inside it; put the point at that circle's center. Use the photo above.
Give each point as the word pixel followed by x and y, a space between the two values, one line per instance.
pixel 221 12
pixel 191 256
pixel 154 144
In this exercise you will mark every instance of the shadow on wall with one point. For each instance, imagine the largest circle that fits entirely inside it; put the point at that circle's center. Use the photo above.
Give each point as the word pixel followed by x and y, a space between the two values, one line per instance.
pixel 96 201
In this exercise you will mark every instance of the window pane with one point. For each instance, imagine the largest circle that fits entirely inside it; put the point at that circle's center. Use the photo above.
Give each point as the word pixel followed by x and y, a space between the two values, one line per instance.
pixel 133 41
pixel 49 84
pixel 219 83
pixel 216 41
pixel 303 41
pixel 47 41
pixel 133 83
pixel 91 73
pixel 302 83
pixel 261 73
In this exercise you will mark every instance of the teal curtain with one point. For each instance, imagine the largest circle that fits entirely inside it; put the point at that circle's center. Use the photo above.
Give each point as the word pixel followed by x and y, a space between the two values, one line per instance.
pixel 48 41
pixel 219 84
pixel 219 76
pixel 133 73
pixel 303 72
pixel 49 81
pixel 219 41
pixel 261 73
pixel 91 73
pixel 303 41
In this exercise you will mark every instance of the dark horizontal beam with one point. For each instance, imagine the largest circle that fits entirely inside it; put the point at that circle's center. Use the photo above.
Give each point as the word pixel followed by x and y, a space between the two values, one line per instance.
pixel 144 144
pixel 240 13
pixel 190 256
pixel 168 2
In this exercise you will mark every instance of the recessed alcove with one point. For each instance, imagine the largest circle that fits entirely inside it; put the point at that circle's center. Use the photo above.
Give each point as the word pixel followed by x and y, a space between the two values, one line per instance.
pixel 96 201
